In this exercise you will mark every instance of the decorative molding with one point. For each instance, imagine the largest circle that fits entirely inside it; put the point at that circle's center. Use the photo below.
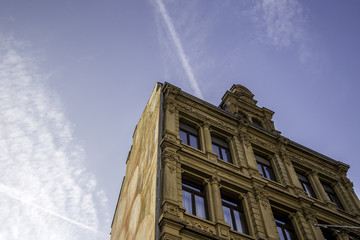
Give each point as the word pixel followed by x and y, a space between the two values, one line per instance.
pixel 215 179
pixel 169 159
pixel 171 208
pixel 309 214
pixel 191 223
pixel 261 196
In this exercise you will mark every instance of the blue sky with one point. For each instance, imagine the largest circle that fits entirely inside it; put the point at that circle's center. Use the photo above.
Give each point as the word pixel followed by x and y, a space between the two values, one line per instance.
pixel 75 77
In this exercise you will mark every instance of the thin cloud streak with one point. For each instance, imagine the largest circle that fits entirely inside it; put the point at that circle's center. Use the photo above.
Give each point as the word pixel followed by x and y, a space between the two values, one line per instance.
pixel 184 60
pixel 43 181
pixel 13 193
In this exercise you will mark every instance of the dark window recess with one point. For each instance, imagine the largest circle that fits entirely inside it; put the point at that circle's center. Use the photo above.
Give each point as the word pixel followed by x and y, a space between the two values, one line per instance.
pixel 234 214
pixel 189 135
pixel 265 167
pixel 304 181
pixel 330 192
pixel 194 200
pixel 257 122
pixel 284 228
pixel 221 148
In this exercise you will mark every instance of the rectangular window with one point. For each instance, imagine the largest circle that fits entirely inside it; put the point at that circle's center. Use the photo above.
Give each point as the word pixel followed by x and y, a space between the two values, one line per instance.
pixel 221 148
pixel 284 227
pixel 189 135
pixel 234 214
pixel 265 167
pixel 330 192
pixel 194 200
pixel 304 181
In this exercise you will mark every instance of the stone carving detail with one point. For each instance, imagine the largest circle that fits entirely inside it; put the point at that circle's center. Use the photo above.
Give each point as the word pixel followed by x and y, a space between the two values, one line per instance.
pixel 196 110
pixel 215 178
pixel 169 159
pixel 169 105
pixel 261 196
pixel 198 226
pixel 321 169
pixel 309 214
pixel 170 208
pixel 245 138
pixel 257 141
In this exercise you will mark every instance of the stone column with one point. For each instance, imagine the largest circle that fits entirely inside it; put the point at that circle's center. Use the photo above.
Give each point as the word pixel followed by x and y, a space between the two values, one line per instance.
pixel 310 217
pixel 318 188
pixel 266 213
pixel 207 137
pixel 222 228
pixel 169 187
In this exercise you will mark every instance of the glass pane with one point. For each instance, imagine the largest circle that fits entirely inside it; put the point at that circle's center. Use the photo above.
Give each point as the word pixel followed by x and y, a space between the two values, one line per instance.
pixel 308 190
pixel 183 136
pixel 216 150
pixel 260 169
pixel 281 234
pixel 194 141
pixel 187 201
pixel 269 173
pixel 224 154
pixel 239 226
pixel 288 235
pixel 227 216
pixel 200 206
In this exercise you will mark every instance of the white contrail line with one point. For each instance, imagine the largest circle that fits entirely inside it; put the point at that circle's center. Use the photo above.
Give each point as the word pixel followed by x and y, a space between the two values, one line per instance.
pixel 179 49
pixel 13 193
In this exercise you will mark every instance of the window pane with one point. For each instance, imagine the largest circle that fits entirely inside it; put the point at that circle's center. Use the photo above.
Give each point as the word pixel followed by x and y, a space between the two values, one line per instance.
pixel 224 155
pixel 308 190
pixel 200 206
pixel 216 150
pixel 269 173
pixel 288 235
pixel 194 141
pixel 260 169
pixel 183 136
pixel 281 234
pixel 227 216
pixel 187 201
pixel 239 226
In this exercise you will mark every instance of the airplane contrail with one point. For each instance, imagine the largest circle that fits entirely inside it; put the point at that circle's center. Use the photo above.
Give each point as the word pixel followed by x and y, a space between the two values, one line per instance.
pixel 15 194
pixel 185 62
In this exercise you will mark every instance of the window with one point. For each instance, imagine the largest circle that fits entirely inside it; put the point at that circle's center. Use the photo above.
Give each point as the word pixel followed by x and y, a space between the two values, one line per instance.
pixel 234 214
pixel 189 135
pixel 194 199
pixel 221 148
pixel 332 195
pixel 306 185
pixel 284 227
pixel 265 168
pixel 257 122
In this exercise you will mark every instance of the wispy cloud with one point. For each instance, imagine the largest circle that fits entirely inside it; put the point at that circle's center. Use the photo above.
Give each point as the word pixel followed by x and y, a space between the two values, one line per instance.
pixel 45 192
pixel 179 48
pixel 282 21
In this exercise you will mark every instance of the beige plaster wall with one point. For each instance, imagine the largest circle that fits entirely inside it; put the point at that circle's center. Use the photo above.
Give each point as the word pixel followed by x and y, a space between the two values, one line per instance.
pixel 135 213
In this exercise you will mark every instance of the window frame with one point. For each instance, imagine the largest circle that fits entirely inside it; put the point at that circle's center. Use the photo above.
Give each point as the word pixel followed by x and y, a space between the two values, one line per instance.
pixel 332 196
pixel 285 225
pixel 189 130
pixel 194 190
pixel 264 161
pixel 235 205
pixel 305 184
pixel 222 144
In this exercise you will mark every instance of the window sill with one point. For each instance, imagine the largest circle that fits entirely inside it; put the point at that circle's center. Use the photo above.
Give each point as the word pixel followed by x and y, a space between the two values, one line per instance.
pixel 238 235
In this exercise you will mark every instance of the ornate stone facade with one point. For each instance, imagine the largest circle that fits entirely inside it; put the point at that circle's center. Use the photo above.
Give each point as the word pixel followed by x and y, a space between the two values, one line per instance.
pixel 235 178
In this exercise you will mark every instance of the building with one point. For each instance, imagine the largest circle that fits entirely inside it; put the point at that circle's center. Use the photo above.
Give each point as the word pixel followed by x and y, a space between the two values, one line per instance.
pixel 197 171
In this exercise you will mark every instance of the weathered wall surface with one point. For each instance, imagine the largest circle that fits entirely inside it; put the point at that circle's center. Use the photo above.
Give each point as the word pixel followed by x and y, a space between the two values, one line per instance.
pixel 135 213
